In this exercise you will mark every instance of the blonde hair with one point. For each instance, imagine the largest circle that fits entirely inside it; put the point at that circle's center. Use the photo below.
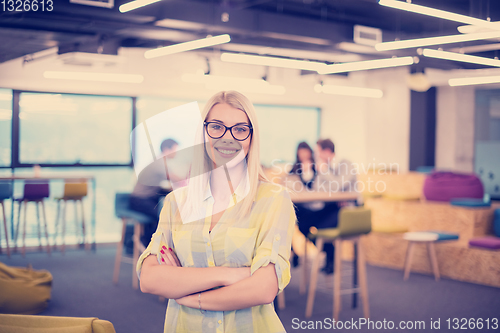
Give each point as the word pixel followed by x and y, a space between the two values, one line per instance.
pixel 200 169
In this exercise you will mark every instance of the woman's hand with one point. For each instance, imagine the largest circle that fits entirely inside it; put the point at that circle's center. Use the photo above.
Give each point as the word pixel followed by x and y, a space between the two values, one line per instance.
pixel 168 257
pixel 237 274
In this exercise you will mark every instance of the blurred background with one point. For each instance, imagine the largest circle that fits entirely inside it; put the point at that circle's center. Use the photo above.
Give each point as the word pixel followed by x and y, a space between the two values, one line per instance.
pixel 409 91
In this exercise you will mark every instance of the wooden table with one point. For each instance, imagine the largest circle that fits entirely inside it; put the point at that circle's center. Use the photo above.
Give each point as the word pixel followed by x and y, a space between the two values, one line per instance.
pixel 311 196
pixel 47 177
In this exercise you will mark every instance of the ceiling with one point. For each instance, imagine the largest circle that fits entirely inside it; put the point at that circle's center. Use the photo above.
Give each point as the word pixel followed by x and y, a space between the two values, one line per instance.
pixel 305 29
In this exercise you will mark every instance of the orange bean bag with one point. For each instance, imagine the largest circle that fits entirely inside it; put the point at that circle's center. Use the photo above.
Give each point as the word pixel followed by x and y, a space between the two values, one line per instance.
pixel 24 291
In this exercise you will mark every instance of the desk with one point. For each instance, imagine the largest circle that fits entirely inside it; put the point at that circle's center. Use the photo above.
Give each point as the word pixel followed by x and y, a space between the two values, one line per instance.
pixel 310 196
pixel 67 178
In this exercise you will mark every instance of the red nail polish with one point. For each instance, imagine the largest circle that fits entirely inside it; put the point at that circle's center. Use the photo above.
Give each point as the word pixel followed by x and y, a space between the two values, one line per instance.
pixel 171 250
pixel 164 247
pixel 162 252
pixel 162 259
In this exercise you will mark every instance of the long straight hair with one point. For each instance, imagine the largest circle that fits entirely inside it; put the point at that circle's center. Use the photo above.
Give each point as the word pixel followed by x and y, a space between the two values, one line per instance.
pixel 202 164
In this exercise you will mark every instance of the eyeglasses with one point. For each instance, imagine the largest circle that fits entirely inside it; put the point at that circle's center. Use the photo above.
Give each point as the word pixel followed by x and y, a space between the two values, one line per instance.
pixel 217 130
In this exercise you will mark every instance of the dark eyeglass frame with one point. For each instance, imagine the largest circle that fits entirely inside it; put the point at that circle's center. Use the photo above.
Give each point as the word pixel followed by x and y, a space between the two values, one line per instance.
pixel 250 132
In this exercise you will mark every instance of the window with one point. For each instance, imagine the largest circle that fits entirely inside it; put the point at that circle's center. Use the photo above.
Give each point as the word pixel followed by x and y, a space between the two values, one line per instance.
pixel 282 128
pixel 74 129
pixel 5 126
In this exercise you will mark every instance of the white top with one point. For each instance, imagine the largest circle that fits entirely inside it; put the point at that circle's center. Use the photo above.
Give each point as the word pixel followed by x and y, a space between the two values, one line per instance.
pixel 421 236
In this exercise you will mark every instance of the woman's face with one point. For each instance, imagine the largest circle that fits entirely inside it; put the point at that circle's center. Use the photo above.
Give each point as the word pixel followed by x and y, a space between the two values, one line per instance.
pixel 304 155
pixel 227 150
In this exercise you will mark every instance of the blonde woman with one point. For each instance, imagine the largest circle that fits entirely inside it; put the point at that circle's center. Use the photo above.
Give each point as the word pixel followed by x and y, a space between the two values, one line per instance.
pixel 221 250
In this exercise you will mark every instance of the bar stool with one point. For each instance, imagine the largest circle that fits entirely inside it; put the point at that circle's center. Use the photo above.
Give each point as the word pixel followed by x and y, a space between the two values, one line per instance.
pixel 5 193
pixel 428 238
pixel 138 220
pixel 74 192
pixel 353 223
pixel 33 192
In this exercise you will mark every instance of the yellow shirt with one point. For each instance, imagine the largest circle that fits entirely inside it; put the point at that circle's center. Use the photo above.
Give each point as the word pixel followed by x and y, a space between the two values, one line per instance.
pixel 264 236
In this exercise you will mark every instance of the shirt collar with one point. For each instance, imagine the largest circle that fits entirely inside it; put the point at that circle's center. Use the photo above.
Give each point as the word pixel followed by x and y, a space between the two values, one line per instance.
pixel 241 191
pixel 208 191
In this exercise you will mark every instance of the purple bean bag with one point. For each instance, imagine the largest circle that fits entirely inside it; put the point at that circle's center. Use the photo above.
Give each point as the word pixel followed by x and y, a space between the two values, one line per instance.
pixel 444 186
pixel 488 242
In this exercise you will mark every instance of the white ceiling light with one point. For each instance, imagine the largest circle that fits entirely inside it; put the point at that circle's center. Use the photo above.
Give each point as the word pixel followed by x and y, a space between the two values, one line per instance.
pixel 187 46
pixel 356 48
pixel 476 48
pixel 90 59
pixel 102 77
pixel 234 83
pixel 468 29
pixel 442 14
pixel 272 61
pixel 460 57
pixel 348 91
pixel 179 24
pixel 206 78
pixel 406 44
pixel 135 4
pixel 365 65
pixel 468 81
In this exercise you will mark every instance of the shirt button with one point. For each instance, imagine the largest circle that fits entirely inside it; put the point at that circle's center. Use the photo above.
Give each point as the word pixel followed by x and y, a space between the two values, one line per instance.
pixel 220 322
pixel 210 263
pixel 278 237
pixel 208 244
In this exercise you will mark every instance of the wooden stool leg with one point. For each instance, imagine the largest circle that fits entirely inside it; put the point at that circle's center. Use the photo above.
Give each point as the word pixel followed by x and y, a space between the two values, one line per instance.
pixel 337 279
pixel 63 233
pixel 85 243
pixel 119 251
pixel 24 228
pixel 362 278
pixel 5 229
pixel 56 223
pixel 16 235
pixel 77 227
pixel 38 222
pixel 409 258
pixel 137 240
pixel 314 279
pixel 303 280
pixel 432 255
pixel 45 225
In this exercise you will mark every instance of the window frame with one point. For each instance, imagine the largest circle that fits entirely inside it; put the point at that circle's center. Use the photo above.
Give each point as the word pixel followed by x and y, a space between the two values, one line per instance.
pixel 15 140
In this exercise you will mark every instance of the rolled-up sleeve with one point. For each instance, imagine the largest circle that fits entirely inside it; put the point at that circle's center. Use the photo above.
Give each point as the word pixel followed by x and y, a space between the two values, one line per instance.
pixel 275 237
pixel 162 237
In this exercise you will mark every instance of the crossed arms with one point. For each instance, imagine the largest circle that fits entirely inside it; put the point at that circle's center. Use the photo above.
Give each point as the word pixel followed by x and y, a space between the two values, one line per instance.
pixel 239 290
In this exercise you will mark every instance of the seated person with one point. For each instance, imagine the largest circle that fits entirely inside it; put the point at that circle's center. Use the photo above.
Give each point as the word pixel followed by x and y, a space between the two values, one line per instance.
pixel 332 177
pixel 150 187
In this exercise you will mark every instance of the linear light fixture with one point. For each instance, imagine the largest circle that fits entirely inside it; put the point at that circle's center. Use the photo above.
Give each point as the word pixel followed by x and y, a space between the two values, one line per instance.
pixel 442 14
pixel 272 61
pixel 468 81
pixel 187 46
pixel 365 65
pixel 418 42
pixel 102 77
pixel 135 4
pixel 476 48
pixel 460 57
pixel 230 83
pixel 348 91
pixel 467 29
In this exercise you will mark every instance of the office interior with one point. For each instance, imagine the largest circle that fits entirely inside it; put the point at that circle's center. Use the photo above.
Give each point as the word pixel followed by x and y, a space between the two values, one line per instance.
pixel 76 80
